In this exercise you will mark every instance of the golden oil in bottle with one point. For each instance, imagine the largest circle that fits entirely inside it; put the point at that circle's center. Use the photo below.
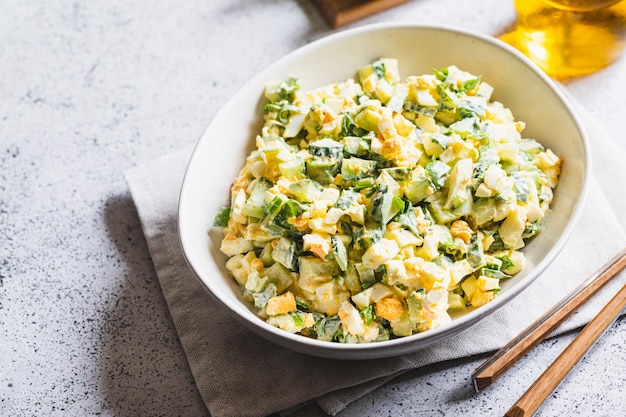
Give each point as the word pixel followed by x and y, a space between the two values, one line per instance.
pixel 570 38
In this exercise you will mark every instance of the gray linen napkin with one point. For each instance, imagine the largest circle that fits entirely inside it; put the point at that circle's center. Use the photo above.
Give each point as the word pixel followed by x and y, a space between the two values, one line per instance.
pixel 240 374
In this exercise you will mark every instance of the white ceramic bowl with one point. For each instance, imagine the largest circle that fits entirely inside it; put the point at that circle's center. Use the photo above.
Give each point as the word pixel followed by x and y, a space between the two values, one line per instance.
pixel 221 151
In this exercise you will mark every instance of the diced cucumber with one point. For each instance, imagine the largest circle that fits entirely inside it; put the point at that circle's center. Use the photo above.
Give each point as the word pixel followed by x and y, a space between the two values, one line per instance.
pixel 292 169
pixel 262 297
pixel 311 266
pixel 339 252
pixel 399 173
pixel 352 279
pixel 326 162
pixel 327 328
pixel 513 262
pixel 465 127
pixel 326 149
pixel 434 144
pixel 456 302
pixel 273 146
pixel 465 207
pixel 385 205
pixel 280 211
pixel 437 171
pixel 441 140
pixel 439 213
pixel 356 168
pixel 475 255
pixel 260 288
pixel 452 250
pixel 458 181
pixel 279 276
pixel 442 215
pixel 387 180
pixel 367 276
pixel 364 237
pixel 266 255
pixel 484 210
pixel 346 198
pixel 322 173
pixel 419 188
pixel 305 190
pixel 368 119
pixel 356 146
pixel 408 219
pixel 255 203
pixel 285 253
pixel 414 304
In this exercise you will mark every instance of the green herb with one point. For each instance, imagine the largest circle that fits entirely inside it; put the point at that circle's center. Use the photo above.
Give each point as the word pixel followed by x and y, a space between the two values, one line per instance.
pixel 408 219
pixel 339 252
pixel 488 156
pixel 364 183
pixel 221 218
pixel 368 314
pixel 302 304
pixel 441 139
pixel 288 88
pixel 497 243
pixel 469 85
pixel 521 187
pixel 531 230
pixel 328 328
pixel 349 128
pixel 444 94
pixel 438 173
pixel 297 319
pixel 441 74
pixel 379 69
pixel 274 204
pixel 493 273
pixel 451 249
pixel 475 254
pixel 507 263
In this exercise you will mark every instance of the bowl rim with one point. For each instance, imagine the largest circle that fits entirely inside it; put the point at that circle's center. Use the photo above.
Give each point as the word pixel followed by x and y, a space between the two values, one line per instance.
pixel 418 341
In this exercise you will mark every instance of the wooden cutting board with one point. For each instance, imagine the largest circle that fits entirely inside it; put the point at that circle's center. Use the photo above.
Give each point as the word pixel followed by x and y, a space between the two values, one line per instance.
pixel 342 12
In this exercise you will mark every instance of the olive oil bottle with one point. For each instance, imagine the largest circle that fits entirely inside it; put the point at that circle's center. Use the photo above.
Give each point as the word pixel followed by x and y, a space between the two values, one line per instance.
pixel 570 38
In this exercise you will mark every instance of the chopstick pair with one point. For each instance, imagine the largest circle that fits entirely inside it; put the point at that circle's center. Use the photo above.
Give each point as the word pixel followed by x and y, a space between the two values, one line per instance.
pixel 502 360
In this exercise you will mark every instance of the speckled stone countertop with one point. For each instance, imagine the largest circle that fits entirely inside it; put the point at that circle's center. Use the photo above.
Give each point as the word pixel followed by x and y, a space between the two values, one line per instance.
pixel 91 89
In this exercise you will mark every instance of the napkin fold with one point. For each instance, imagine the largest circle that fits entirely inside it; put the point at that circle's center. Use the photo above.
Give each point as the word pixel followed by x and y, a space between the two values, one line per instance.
pixel 240 374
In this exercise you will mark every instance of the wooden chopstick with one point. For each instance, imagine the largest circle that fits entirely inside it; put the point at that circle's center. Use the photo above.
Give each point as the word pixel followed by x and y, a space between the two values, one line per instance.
pixel 552 377
pixel 502 360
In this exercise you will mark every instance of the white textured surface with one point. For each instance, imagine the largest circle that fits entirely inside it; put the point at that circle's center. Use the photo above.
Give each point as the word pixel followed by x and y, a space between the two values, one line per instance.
pixel 90 89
